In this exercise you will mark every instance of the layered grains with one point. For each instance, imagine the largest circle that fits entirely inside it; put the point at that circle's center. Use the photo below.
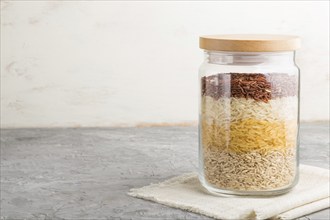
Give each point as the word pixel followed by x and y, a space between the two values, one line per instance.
pixel 249 130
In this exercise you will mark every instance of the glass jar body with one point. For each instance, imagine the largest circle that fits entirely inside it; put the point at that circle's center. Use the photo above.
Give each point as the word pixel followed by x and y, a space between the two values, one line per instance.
pixel 248 122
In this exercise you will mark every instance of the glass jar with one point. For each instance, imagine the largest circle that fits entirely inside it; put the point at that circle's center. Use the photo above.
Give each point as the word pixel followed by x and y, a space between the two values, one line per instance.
pixel 249 114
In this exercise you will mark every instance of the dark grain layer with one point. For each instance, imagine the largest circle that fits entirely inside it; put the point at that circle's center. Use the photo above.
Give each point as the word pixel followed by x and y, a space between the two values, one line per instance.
pixel 257 86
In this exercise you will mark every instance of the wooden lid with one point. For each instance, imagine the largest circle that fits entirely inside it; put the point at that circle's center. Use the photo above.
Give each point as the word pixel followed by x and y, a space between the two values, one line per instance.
pixel 249 42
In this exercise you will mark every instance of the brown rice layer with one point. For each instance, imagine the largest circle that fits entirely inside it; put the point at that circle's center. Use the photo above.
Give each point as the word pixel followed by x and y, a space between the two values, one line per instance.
pixel 250 171
pixel 257 86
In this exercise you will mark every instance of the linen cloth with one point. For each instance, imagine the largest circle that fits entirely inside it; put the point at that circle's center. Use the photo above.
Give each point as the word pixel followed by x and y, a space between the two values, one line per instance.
pixel 185 192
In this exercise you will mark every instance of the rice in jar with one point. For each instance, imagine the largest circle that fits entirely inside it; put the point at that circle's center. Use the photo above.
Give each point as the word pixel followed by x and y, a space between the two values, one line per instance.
pixel 249 114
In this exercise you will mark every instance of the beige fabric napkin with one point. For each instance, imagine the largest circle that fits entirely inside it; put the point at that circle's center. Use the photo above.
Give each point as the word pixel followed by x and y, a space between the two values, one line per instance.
pixel 185 192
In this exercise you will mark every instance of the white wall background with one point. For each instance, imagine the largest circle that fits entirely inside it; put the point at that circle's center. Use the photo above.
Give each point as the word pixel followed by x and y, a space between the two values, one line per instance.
pixel 84 63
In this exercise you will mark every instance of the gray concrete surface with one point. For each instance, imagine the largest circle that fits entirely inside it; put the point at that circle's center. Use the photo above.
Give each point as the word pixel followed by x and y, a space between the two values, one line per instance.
pixel 85 173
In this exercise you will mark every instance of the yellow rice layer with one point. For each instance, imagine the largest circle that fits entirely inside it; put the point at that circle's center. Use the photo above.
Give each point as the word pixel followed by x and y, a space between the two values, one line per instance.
pixel 249 135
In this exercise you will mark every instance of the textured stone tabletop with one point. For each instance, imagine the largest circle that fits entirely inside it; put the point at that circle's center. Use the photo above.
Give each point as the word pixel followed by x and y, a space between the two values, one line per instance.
pixel 86 173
